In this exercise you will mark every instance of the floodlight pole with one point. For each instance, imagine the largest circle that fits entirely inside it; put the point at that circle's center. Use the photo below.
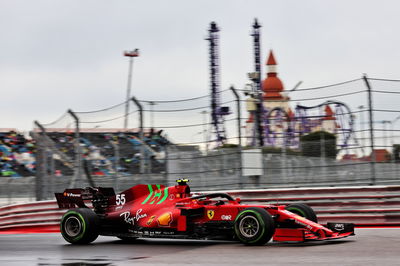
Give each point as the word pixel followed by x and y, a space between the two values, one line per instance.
pixel 131 55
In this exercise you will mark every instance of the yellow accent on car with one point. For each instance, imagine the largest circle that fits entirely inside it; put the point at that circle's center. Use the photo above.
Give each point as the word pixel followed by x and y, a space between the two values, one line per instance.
pixel 210 214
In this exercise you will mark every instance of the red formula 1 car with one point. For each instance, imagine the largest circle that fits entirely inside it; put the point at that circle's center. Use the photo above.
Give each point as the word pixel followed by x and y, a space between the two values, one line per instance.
pixel 173 212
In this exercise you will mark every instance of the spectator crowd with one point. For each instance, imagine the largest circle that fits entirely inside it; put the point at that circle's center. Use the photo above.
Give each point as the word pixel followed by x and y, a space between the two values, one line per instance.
pixel 18 152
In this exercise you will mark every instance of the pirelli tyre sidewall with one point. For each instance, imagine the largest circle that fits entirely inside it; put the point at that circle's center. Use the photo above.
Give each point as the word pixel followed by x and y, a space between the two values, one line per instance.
pixel 303 210
pixel 254 226
pixel 79 226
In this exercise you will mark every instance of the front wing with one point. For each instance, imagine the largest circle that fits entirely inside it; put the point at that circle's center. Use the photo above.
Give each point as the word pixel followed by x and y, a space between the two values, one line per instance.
pixel 339 230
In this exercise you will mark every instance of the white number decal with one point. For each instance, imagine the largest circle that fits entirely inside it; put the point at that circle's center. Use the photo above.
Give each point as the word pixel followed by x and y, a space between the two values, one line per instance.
pixel 120 199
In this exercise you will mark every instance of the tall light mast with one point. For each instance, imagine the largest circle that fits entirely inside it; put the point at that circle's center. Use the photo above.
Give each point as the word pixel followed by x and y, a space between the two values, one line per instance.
pixel 217 112
pixel 256 78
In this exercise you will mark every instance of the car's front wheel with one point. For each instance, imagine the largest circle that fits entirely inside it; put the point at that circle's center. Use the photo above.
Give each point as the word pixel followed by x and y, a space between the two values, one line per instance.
pixel 79 226
pixel 254 226
pixel 303 210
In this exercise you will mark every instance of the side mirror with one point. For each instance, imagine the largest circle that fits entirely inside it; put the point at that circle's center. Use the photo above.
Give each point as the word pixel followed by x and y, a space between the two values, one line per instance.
pixel 238 200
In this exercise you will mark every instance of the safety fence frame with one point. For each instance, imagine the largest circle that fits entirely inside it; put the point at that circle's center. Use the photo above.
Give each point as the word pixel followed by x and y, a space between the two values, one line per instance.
pixel 177 163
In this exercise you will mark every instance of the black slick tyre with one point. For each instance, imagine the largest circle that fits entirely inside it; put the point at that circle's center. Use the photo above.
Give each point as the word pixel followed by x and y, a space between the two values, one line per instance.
pixel 303 210
pixel 254 226
pixel 79 226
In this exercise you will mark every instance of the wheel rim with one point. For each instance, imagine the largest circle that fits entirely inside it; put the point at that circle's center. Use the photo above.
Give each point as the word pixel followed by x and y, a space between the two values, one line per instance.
pixel 73 226
pixel 249 226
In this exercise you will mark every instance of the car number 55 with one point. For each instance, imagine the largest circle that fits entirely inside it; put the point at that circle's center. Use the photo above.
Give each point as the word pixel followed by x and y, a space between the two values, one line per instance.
pixel 120 199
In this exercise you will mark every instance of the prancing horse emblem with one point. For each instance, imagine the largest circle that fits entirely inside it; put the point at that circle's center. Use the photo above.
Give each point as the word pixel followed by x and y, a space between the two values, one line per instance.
pixel 210 214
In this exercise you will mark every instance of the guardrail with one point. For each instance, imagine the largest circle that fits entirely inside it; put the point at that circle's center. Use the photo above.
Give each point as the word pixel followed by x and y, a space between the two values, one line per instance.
pixel 42 216
pixel 377 206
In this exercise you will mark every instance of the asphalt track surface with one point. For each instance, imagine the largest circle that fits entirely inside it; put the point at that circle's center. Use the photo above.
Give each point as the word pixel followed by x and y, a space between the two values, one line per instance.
pixel 368 247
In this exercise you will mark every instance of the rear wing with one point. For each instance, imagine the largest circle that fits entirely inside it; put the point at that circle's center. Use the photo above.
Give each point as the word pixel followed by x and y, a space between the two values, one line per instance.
pixel 76 197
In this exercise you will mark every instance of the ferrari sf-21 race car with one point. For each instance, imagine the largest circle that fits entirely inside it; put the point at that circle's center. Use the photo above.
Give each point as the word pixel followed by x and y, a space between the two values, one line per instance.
pixel 146 211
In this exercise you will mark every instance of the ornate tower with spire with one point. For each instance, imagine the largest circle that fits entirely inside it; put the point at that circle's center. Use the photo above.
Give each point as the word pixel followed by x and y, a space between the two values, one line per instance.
pixel 281 126
pixel 328 122
pixel 273 88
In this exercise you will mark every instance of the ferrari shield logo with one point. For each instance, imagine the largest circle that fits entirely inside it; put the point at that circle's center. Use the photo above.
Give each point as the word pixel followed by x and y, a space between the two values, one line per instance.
pixel 210 214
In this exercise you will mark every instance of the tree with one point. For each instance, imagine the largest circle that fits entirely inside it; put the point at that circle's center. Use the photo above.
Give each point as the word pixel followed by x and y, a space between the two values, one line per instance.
pixel 318 144
pixel 396 152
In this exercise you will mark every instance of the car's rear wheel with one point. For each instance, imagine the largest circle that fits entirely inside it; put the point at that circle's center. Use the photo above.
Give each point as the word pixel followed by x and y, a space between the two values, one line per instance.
pixel 79 226
pixel 254 226
pixel 303 210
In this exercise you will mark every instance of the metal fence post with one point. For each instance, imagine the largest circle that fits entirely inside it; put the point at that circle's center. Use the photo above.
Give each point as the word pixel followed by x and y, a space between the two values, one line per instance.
pixel 141 135
pixel 283 153
pixel 45 166
pixel 115 146
pixel 52 166
pixel 239 130
pixel 166 160
pixel 77 178
pixel 323 154
pixel 371 130
pixel 10 191
pixel 49 173
pixel 41 171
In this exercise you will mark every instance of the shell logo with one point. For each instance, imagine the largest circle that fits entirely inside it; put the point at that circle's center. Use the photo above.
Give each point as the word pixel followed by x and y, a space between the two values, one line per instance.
pixel 150 220
pixel 165 219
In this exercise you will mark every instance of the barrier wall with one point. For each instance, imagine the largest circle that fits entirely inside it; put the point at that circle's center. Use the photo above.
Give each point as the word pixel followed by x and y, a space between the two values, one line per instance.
pixel 372 206
pixel 42 216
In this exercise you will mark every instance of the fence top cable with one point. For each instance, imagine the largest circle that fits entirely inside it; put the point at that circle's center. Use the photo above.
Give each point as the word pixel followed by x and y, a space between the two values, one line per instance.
pixel 317 88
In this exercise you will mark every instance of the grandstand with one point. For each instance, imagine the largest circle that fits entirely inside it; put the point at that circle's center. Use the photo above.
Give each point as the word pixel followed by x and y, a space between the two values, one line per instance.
pixel 17 154
pixel 98 147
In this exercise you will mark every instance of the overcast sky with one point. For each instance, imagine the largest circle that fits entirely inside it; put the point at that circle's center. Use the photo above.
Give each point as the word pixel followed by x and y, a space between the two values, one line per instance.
pixel 56 55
